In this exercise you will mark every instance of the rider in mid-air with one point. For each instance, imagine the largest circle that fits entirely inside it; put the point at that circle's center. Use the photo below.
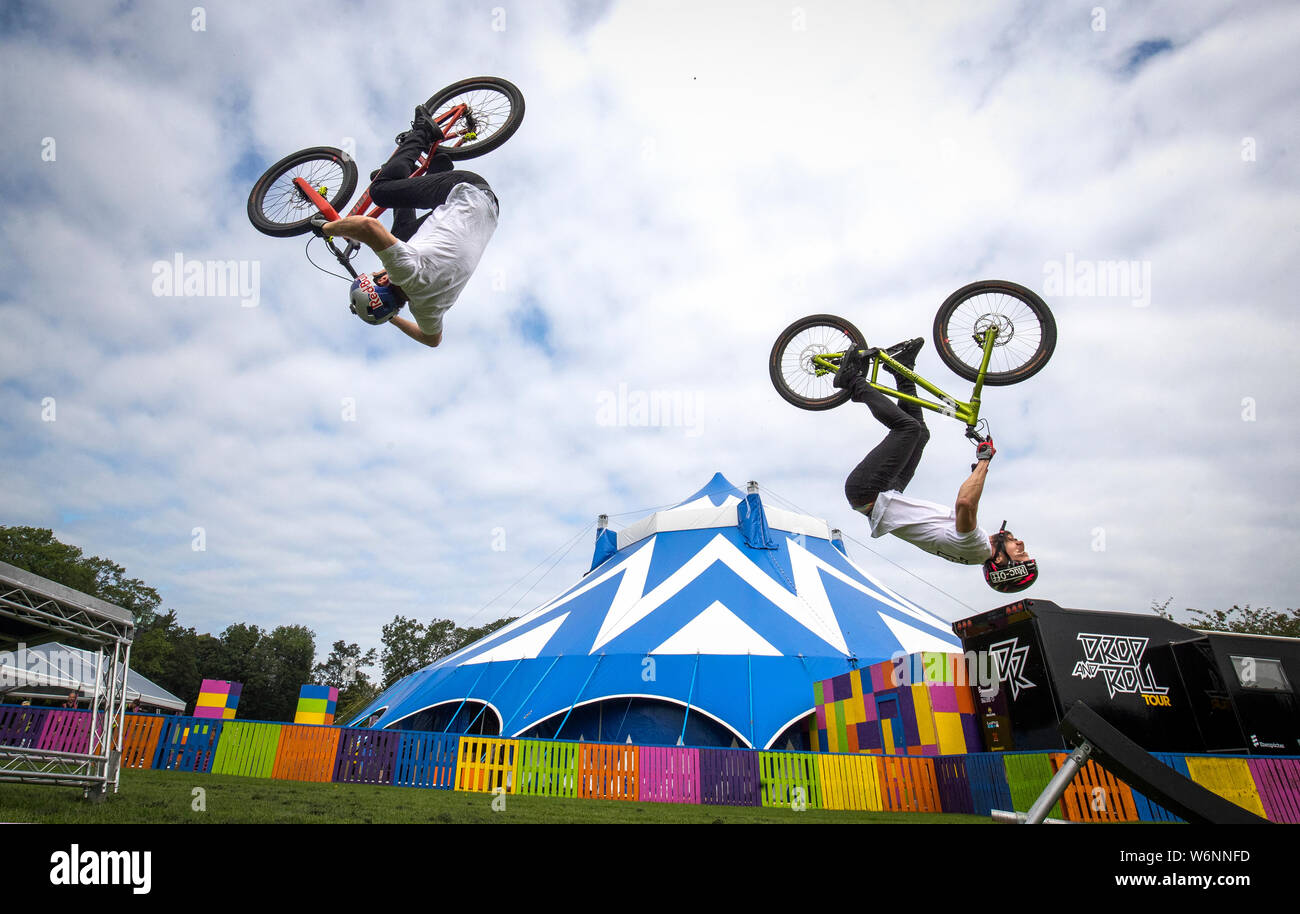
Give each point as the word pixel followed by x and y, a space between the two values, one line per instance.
pixel 875 487
pixel 428 260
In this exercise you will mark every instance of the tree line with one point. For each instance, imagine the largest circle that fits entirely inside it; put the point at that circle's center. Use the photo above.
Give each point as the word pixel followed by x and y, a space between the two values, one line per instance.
pixel 272 664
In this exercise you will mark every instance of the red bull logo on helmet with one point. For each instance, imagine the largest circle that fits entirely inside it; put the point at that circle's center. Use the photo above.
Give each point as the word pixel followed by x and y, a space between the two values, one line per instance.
pixel 369 288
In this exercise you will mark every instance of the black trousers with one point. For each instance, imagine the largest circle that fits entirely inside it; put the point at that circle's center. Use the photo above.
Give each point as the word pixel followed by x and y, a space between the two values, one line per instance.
pixel 892 463
pixel 395 189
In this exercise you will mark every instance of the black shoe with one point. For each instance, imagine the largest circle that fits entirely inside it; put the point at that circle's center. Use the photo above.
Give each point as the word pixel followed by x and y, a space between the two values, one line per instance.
pixel 904 353
pixel 852 365
pixel 423 127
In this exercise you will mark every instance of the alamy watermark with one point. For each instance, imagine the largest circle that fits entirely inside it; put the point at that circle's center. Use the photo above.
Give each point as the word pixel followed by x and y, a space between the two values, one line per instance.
pixel 649 409
pixel 182 277
pixel 1129 279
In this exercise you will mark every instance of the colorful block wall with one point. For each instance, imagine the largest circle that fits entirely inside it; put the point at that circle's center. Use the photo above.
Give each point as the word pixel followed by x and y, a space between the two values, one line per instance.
pixel 218 699
pixel 921 705
pixel 316 705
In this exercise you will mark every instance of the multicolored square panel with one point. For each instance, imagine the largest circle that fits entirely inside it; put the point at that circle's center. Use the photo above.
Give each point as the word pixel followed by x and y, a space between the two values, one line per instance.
pixel 218 698
pixel 316 705
pixel 919 704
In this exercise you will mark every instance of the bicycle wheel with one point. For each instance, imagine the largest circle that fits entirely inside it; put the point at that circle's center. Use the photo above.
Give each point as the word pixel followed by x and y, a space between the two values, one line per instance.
pixel 276 207
pixel 794 375
pixel 1025 326
pixel 494 111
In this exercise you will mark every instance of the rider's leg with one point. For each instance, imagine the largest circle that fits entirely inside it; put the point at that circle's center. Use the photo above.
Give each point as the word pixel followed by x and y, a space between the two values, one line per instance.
pixel 891 463
pixel 405 223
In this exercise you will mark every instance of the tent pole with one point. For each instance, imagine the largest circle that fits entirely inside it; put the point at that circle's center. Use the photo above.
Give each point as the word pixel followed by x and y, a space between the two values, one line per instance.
pixel 504 728
pixel 447 728
pixel 681 740
pixel 749 669
pixel 576 697
pixel 624 720
pixel 494 693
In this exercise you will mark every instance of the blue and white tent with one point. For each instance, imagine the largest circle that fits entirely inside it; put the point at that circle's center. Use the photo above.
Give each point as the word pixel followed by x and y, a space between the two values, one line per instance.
pixel 706 623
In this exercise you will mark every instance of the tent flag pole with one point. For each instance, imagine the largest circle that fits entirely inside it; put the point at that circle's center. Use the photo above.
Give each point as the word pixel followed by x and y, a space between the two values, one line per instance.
pixel 681 740
pixel 504 728
pixel 576 697
pixel 494 693
pixel 447 728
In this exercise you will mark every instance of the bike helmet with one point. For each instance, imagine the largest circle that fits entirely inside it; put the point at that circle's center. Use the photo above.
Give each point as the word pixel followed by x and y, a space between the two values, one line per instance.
pixel 372 302
pixel 1010 578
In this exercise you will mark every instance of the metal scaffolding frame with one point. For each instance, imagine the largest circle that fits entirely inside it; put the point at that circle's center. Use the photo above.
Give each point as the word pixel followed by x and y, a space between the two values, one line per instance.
pixel 31 605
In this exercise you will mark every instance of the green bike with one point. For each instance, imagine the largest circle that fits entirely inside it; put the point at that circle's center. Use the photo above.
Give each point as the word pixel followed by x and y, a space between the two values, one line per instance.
pixel 991 332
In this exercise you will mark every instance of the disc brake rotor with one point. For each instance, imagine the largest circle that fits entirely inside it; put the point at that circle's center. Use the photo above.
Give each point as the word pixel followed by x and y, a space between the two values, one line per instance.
pixel 806 359
pixel 1006 330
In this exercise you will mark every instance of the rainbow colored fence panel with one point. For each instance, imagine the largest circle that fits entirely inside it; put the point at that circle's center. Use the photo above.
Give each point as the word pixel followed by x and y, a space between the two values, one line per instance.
pixel 607 772
pixel 427 760
pixel 547 769
pixel 316 704
pixel 953 781
pixel 1095 795
pixel 730 777
pixel 1027 775
pixel 366 756
pixel 987 777
pixel 669 774
pixel 247 749
pixel 1278 783
pixel 218 698
pixel 306 753
pixel 187 744
pixel 849 782
pixel 66 731
pixel 908 784
pixel 22 727
pixel 140 740
pixel 788 777
pixel 485 764
pixel 1230 778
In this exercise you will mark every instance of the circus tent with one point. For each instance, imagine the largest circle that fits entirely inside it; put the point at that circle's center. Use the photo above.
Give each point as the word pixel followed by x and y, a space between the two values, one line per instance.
pixel 706 623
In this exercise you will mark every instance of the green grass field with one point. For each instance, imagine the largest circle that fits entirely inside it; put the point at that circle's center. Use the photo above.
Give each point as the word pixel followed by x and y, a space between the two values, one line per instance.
pixel 165 797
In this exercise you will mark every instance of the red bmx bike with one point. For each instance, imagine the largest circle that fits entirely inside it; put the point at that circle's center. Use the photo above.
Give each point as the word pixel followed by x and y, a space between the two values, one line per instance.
pixel 475 116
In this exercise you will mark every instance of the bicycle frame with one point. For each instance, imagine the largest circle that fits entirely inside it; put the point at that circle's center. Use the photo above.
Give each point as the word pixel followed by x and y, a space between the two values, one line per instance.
pixel 964 411
pixel 344 257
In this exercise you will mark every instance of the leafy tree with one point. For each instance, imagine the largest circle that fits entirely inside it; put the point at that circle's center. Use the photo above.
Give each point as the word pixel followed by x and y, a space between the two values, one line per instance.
pixel 1241 619
pixel 36 550
pixel 409 645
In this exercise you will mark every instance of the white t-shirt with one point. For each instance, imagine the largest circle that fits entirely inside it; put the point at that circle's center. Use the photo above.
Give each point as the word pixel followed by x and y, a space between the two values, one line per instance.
pixel 929 526
pixel 434 266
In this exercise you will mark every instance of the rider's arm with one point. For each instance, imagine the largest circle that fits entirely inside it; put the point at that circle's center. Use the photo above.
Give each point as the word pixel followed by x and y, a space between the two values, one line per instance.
pixel 414 332
pixel 968 497
pixel 368 231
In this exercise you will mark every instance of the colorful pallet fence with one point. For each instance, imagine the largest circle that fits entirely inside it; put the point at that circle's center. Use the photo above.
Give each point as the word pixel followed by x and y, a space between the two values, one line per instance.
pixel 669 774
pixel 485 764
pixel 187 744
pixel 1278 781
pixel 427 760
pixel 306 753
pixel 974 784
pixel 729 777
pixel 547 769
pixel 247 749
pixel 908 784
pixel 1095 795
pixel 22 727
pixel 788 778
pixel 849 782
pixel 607 772
pixel 140 740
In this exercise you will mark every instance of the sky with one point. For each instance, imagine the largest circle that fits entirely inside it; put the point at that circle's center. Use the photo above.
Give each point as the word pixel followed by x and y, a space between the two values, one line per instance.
pixel 689 179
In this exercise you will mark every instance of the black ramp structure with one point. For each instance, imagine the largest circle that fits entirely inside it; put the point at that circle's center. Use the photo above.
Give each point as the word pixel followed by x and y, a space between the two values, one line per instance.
pixel 1125 759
